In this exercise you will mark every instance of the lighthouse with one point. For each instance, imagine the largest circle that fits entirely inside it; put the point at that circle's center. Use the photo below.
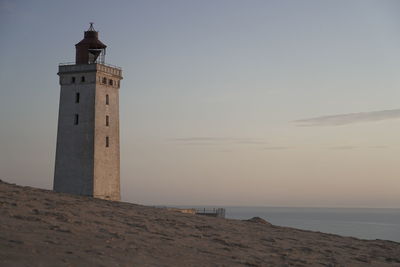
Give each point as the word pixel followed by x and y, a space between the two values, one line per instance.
pixel 88 153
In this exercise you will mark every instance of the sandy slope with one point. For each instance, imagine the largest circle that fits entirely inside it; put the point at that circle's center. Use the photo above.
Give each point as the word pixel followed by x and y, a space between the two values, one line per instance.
pixel 43 228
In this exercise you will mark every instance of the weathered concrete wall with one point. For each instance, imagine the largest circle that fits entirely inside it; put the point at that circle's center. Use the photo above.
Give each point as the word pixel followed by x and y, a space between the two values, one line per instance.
pixel 75 143
pixel 84 165
pixel 107 159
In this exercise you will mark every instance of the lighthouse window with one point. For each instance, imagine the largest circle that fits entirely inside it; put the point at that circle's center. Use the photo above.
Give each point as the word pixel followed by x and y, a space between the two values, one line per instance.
pixel 107 141
pixel 77 96
pixel 110 82
pixel 107 100
pixel 107 120
pixel 73 80
pixel 104 80
pixel 76 119
pixel 83 79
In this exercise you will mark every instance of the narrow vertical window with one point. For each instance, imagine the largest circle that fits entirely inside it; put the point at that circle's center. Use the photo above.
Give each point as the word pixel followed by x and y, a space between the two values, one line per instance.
pixel 76 119
pixel 107 100
pixel 110 82
pixel 77 97
pixel 83 79
pixel 73 80
pixel 107 120
pixel 104 80
pixel 107 141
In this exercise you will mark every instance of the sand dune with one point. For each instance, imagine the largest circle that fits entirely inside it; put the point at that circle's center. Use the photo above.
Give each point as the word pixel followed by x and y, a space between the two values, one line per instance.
pixel 43 228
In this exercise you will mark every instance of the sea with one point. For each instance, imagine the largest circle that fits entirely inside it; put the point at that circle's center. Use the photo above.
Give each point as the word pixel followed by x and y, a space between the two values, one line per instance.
pixel 364 223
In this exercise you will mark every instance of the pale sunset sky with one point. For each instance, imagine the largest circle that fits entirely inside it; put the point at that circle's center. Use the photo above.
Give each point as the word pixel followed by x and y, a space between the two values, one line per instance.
pixel 223 102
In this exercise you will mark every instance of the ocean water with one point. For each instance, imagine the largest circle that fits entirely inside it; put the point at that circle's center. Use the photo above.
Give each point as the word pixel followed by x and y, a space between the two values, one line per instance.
pixel 362 223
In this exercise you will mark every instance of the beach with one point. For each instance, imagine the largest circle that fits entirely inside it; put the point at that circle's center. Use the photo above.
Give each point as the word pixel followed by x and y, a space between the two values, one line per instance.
pixel 43 228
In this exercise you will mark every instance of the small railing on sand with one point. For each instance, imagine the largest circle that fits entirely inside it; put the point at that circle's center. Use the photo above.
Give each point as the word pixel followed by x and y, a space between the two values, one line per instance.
pixel 214 212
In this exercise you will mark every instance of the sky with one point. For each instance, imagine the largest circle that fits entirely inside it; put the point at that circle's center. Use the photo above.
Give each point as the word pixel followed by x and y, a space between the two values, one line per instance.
pixel 223 102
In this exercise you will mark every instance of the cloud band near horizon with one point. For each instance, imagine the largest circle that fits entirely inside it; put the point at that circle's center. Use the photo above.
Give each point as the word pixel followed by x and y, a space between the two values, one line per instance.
pixel 217 140
pixel 350 118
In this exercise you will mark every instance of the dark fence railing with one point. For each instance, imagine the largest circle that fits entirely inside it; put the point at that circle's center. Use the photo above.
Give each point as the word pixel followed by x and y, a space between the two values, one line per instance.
pixel 214 212
pixel 105 64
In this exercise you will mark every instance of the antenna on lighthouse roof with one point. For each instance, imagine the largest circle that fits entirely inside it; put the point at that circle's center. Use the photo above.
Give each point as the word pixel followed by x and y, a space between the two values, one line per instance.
pixel 91 28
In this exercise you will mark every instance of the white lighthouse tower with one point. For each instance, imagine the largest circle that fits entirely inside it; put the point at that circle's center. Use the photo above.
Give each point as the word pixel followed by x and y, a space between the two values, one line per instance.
pixel 87 154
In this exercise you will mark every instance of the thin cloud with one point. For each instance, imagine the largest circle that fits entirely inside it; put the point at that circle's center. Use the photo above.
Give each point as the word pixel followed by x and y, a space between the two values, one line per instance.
pixel 356 147
pixel 379 147
pixel 276 147
pixel 350 118
pixel 343 147
pixel 216 140
pixel 198 143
